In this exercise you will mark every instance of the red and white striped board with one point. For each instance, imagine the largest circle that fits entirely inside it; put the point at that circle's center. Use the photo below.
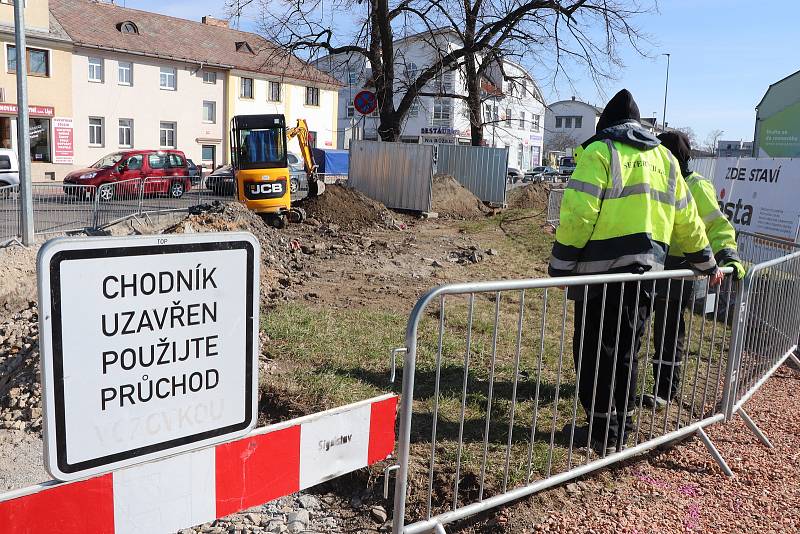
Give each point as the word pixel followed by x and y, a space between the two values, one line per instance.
pixel 189 489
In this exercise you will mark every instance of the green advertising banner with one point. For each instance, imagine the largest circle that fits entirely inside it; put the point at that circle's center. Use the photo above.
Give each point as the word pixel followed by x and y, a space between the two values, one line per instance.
pixel 779 135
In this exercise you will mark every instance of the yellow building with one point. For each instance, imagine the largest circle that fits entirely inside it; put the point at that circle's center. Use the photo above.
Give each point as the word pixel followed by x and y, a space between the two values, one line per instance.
pixel 49 66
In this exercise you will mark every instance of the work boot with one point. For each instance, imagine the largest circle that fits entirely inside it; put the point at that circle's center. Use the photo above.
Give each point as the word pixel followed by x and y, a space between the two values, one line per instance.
pixel 649 401
pixel 596 443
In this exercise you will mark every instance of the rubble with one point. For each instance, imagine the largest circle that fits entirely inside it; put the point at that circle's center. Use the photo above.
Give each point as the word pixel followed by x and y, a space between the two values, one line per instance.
pixel 450 200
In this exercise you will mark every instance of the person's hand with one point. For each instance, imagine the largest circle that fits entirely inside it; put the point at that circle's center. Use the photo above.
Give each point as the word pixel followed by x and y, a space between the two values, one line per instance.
pixel 738 269
pixel 716 279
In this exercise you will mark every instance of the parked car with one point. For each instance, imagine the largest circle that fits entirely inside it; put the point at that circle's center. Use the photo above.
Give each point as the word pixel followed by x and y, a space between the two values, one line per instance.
pixel 541 174
pixel 166 172
pixel 515 175
pixel 9 170
pixel 297 172
pixel 221 181
pixel 195 172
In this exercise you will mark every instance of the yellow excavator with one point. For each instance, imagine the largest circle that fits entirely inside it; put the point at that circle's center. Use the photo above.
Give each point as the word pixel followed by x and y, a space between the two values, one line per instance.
pixel 261 170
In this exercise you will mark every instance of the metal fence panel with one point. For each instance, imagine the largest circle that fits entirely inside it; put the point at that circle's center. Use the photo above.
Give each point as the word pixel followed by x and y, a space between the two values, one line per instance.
pixel 398 174
pixel 704 166
pixel 506 390
pixel 163 194
pixel 61 208
pixel 482 170
pixel 117 201
pixel 9 212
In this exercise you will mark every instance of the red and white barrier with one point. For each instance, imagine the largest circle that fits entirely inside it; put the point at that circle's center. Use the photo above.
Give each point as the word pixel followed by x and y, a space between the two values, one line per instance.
pixel 200 486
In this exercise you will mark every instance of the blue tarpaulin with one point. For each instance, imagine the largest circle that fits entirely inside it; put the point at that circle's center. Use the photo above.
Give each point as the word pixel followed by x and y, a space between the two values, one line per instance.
pixel 331 161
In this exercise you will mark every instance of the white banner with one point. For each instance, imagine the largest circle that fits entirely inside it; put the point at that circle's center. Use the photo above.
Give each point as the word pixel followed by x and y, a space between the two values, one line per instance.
pixel 760 194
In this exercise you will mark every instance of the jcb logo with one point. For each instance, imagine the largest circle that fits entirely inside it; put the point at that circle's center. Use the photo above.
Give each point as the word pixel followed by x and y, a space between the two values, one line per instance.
pixel 268 188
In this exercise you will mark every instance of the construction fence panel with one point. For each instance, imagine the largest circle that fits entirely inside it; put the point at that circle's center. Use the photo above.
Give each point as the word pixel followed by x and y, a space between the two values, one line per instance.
pixel 767 324
pixel 117 201
pixel 397 174
pixel 704 166
pixel 509 389
pixel 164 193
pixel 554 198
pixel 59 208
pixel 482 170
pixel 9 212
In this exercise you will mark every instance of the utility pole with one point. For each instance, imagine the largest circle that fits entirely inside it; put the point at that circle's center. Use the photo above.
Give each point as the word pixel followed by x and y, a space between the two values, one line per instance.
pixel 23 127
pixel 666 89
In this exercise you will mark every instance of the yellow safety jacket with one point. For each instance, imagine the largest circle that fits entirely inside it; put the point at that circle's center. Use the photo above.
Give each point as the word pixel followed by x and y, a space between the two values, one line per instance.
pixel 622 210
pixel 719 230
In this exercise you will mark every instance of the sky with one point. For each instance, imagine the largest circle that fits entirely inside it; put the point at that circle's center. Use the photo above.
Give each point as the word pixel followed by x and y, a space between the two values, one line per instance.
pixel 724 54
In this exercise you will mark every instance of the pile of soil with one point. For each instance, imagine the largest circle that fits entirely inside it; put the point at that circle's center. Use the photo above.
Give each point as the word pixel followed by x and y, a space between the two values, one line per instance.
pixel 531 196
pixel 20 393
pixel 347 208
pixel 18 283
pixel 451 200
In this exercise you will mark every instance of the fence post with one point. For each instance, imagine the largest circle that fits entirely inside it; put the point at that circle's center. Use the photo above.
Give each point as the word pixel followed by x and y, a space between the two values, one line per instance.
pixel 96 202
pixel 142 183
pixel 735 349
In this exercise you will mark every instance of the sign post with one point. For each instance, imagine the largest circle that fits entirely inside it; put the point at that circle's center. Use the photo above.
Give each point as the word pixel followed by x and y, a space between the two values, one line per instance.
pixel 148 347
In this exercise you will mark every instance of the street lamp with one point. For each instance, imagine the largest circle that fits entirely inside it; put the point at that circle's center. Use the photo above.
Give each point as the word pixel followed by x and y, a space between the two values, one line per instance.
pixel 666 88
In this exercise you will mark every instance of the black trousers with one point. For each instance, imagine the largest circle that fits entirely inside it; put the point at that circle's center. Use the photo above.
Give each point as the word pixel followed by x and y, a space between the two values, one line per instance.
pixel 669 336
pixel 616 339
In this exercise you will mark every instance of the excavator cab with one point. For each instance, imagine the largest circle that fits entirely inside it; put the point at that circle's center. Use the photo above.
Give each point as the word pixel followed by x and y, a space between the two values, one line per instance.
pixel 258 156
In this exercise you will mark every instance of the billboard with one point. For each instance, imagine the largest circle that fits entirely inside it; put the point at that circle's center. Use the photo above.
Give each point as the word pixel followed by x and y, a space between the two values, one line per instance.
pixel 779 134
pixel 760 195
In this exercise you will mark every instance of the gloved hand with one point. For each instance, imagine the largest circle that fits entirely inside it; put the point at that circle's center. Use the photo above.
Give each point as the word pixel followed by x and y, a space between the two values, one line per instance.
pixel 738 269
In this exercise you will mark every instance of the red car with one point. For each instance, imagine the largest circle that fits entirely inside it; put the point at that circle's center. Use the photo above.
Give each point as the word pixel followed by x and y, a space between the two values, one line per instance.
pixel 166 172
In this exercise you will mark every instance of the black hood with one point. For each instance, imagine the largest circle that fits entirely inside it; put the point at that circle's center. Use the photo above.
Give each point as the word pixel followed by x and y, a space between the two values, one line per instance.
pixel 620 122
pixel 678 143
pixel 621 108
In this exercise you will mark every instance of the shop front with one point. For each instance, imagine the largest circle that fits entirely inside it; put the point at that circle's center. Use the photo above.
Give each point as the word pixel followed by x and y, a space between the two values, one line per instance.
pixel 50 138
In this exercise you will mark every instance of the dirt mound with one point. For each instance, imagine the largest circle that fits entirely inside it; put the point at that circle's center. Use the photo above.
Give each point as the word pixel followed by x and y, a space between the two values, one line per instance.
pixel 20 393
pixel 451 200
pixel 18 283
pixel 347 208
pixel 531 196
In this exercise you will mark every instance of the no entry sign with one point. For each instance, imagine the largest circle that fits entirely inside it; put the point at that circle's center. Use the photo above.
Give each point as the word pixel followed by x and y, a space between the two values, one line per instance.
pixel 148 347
pixel 365 102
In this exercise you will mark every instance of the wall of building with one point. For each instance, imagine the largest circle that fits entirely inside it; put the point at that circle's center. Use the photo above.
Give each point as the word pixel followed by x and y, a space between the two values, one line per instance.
pixel 777 131
pixel 570 108
pixel 322 119
pixel 147 104
pixel 51 91
pixel 37 14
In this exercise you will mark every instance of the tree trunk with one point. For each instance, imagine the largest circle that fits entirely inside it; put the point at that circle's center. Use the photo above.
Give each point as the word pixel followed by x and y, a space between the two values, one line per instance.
pixel 474 100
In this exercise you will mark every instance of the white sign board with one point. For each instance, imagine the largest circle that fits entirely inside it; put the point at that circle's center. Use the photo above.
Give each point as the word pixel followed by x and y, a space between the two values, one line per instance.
pixel 148 346
pixel 759 195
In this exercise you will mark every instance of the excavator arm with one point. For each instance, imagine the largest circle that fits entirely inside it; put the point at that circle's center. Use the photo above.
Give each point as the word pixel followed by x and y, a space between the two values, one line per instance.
pixel 315 186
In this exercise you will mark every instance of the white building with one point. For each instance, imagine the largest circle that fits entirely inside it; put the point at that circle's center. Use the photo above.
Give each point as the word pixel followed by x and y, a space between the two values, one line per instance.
pixel 148 81
pixel 513 106
pixel 568 123
pixel 734 149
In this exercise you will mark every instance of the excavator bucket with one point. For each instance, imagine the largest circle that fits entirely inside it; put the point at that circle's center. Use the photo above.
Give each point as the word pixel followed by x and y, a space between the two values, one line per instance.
pixel 316 188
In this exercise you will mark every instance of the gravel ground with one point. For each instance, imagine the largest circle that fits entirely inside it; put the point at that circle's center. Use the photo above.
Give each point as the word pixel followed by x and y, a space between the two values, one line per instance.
pixel 681 490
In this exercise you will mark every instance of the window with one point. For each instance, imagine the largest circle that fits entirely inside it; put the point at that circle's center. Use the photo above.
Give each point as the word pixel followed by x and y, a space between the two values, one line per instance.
pixel 167 78
pixel 125 73
pixel 167 134
pixel 351 111
pixel 38 61
pixel 209 112
pixel 567 122
pixel 246 88
pixel 496 114
pixel 411 71
pixel 40 140
pixel 175 161
pixel 488 113
pixel 443 82
pixel 508 116
pixel 559 122
pixel 126 133
pixel 209 154
pixel 535 123
pixel 134 163
pixel 274 91
pixel 96 131
pixel 95 69
pixel 312 96
pixel 524 88
pixel 521 156
pixel 442 111
pixel 128 27
pixel 157 161
pixel 521 120
pixel 209 77
pixel 578 122
pixel 413 109
pixel 510 88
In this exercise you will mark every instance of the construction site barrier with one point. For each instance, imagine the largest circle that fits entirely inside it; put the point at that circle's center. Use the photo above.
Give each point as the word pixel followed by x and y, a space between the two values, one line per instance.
pixel 554 198
pixel 494 373
pixel 199 486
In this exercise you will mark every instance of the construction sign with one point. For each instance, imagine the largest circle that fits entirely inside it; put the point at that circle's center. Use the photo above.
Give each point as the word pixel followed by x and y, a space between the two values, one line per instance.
pixel 149 347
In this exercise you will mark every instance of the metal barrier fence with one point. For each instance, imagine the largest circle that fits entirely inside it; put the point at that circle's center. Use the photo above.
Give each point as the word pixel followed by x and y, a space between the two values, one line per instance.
pixel 9 212
pixel 482 170
pixel 490 399
pixel 554 198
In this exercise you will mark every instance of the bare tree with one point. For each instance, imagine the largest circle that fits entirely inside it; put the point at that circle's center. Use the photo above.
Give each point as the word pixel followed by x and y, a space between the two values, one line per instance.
pixel 466 35
pixel 711 141
pixel 559 142
pixel 689 132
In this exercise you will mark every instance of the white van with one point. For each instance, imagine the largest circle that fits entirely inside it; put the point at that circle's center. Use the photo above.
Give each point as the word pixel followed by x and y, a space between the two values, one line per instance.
pixel 9 167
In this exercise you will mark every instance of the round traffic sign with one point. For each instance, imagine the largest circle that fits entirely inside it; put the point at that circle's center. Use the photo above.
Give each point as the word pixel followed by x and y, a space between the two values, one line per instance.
pixel 365 102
